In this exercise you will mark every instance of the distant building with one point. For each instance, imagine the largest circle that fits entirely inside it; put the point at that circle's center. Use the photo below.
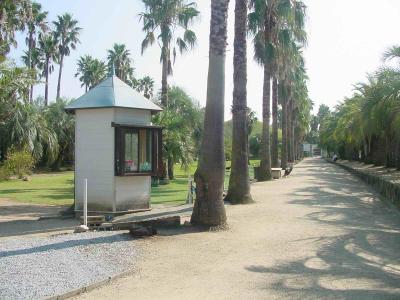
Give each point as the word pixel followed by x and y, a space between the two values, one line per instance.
pixel 311 150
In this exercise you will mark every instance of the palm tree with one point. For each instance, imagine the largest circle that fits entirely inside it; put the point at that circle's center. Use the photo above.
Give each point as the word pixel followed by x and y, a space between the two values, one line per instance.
pixel 48 53
pixel 119 60
pixel 83 71
pixel 209 207
pixel 167 17
pixel 32 60
pixel 239 183
pixel 14 84
pixel 368 122
pixel 289 35
pixel 274 134
pixel 273 23
pixel 98 71
pixel 13 18
pixel 27 127
pixel 145 85
pixel 91 71
pixel 63 126
pixel 263 23
pixel 180 121
pixel 67 35
pixel 36 21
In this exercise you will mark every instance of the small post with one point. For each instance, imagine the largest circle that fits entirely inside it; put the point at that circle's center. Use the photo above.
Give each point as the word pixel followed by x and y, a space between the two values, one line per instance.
pixel 189 199
pixel 85 204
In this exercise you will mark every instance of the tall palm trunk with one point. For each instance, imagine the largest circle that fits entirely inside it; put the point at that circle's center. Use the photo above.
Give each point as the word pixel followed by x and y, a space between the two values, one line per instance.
pixel 170 163
pixel 164 100
pixel 30 64
pixel 164 79
pixel 239 183
pixel 284 152
pixel 46 88
pixel 209 207
pixel 31 94
pixel 290 132
pixel 294 135
pixel 274 140
pixel 265 164
pixel 59 75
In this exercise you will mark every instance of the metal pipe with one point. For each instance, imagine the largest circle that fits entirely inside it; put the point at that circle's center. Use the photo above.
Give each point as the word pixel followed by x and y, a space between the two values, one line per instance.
pixel 85 204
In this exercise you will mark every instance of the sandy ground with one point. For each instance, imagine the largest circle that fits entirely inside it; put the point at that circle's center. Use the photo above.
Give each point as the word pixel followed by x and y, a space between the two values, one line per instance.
pixel 319 234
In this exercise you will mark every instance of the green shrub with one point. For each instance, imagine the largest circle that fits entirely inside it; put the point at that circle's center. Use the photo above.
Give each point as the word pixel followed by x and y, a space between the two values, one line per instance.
pixel 18 162
pixel 4 173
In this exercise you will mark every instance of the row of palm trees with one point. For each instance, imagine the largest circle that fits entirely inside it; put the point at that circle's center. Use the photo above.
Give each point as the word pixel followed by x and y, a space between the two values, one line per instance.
pixel 91 71
pixel 277 27
pixel 366 126
pixel 48 43
pixel 278 30
pixel 47 131
pixel 46 46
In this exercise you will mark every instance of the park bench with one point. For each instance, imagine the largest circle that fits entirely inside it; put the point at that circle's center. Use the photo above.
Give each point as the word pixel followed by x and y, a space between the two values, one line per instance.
pixel 276 173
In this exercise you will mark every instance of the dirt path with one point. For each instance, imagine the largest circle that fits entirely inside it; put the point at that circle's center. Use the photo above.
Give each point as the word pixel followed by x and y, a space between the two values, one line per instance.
pixel 321 233
pixel 18 219
pixel 12 210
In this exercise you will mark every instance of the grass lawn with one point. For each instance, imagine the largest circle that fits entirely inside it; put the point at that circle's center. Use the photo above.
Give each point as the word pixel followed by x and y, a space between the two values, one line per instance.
pixel 52 189
pixel 58 188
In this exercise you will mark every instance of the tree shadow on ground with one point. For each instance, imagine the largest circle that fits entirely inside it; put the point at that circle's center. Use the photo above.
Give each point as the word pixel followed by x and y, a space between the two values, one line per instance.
pixel 64 245
pixel 361 263
pixel 27 227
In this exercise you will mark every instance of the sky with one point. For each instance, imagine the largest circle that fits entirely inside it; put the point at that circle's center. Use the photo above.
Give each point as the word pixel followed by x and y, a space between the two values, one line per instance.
pixel 346 39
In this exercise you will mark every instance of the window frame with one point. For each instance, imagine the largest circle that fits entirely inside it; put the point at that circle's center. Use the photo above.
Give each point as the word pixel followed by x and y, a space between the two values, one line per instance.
pixel 156 153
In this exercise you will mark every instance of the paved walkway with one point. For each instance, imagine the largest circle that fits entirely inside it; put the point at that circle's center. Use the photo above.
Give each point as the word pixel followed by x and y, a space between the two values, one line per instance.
pixel 319 234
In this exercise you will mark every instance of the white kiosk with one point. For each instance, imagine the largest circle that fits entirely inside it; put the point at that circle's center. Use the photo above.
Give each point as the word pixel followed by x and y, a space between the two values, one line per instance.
pixel 117 149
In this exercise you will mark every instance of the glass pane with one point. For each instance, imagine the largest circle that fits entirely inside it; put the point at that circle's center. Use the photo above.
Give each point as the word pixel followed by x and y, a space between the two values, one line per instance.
pixel 145 150
pixel 131 152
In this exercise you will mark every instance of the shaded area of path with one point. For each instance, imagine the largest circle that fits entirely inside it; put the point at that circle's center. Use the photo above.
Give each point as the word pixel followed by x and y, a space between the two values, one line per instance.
pixel 18 219
pixel 321 233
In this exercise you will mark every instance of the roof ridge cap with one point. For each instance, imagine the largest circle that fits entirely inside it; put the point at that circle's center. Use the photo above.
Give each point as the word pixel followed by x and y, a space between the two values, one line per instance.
pixel 113 88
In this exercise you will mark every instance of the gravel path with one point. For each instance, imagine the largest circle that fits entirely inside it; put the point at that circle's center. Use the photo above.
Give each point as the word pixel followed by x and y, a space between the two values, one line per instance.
pixel 35 268
pixel 319 234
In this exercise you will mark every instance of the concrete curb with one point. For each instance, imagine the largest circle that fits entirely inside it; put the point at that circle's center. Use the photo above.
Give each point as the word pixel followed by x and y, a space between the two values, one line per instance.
pixel 386 188
pixel 91 286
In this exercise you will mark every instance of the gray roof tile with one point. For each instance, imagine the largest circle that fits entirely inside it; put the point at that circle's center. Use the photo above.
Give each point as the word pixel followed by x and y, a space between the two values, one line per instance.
pixel 112 92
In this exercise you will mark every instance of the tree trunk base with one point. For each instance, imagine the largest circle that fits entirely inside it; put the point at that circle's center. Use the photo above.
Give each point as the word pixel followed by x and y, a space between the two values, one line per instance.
pixel 238 198
pixel 264 176
pixel 163 181
pixel 207 212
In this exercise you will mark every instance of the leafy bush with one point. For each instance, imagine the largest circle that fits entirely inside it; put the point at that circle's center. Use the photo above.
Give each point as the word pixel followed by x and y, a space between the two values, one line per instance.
pixel 19 162
pixel 4 173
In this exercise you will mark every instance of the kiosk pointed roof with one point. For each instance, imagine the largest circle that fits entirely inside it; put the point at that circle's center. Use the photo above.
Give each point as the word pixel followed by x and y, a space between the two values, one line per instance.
pixel 112 92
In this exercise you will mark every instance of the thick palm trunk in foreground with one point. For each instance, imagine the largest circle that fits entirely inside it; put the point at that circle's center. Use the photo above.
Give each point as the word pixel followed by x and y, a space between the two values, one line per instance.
pixel 209 207
pixel 239 183
pixel 274 140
